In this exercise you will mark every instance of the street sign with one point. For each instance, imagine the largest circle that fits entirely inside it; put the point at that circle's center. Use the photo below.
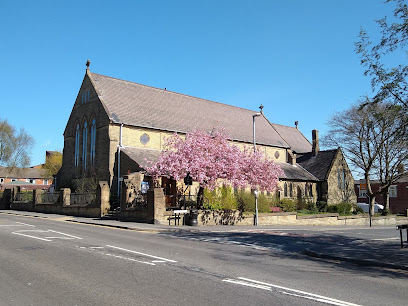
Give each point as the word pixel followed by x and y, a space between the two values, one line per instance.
pixel 363 186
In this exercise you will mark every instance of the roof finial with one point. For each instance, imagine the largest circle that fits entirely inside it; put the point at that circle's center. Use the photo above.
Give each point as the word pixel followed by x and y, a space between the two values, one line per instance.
pixel 296 124
pixel 261 107
pixel 88 62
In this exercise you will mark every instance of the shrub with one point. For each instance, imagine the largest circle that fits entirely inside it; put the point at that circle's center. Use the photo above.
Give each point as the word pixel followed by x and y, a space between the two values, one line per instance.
pixel 321 206
pixel 301 204
pixel 220 198
pixel 312 208
pixel 288 205
pixel 246 202
pixel 357 210
pixel 343 208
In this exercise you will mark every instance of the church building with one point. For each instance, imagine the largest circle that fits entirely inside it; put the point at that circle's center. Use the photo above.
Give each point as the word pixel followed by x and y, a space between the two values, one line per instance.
pixel 116 125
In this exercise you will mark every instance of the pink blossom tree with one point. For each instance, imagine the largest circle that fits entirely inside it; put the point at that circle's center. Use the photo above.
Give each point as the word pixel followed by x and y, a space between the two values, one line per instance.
pixel 210 159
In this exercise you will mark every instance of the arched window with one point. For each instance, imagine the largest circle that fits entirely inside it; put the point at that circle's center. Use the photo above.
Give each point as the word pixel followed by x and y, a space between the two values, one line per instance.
pixel 285 190
pixel 93 142
pixel 290 190
pixel 84 145
pixel 343 177
pixel 76 153
pixel 339 178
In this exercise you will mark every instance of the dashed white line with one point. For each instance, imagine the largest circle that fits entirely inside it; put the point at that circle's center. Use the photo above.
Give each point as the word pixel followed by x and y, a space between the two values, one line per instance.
pixel 17 233
pixel 288 291
pixel 73 237
pixel 144 254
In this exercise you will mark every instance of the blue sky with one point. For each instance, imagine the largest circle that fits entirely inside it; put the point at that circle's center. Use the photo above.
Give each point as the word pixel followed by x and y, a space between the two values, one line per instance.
pixel 295 57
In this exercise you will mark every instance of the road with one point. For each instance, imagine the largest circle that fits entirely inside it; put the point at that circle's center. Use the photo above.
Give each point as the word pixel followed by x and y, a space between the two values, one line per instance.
pixel 54 262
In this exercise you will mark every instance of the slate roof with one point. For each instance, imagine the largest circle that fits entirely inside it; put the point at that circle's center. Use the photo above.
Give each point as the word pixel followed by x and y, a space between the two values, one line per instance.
pixel 140 155
pixel 296 172
pixel 32 173
pixel 318 165
pixel 144 106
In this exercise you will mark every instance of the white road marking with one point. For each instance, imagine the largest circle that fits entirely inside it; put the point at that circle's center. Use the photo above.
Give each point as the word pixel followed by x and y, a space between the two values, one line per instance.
pixel 131 259
pixel 65 236
pixel 383 239
pixel 16 233
pixel 73 237
pixel 144 254
pixel 288 291
pixel 26 224
pixel 19 224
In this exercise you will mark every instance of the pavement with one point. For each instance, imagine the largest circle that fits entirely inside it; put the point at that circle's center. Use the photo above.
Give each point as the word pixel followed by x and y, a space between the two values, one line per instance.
pixel 372 247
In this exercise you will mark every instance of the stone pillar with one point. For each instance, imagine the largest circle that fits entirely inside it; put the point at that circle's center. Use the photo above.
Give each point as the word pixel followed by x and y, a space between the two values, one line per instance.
pixel 6 199
pixel 37 196
pixel 156 204
pixel 102 197
pixel 14 194
pixel 66 196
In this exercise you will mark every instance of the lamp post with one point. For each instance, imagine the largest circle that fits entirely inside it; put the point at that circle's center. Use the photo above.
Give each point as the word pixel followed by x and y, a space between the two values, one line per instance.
pixel 256 191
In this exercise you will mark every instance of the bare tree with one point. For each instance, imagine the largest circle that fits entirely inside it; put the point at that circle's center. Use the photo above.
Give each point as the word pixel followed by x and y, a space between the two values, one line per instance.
pixel 393 155
pixel 388 82
pixel 366 133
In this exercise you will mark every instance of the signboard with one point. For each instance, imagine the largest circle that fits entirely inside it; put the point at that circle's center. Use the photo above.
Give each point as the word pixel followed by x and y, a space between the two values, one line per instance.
pixel 144 187
pixel 363 187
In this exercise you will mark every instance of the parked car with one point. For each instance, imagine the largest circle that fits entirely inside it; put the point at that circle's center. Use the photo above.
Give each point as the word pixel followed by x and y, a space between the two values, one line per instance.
pixel 366 207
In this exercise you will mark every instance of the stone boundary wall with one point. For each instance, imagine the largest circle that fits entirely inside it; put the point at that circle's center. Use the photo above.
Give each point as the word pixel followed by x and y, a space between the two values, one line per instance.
pixel 63 205
pixel 206 217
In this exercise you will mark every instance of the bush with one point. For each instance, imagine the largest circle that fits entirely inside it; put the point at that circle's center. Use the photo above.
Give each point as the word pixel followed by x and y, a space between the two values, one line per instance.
pixel 288 205
pixel 312 208
pixel 357 210
pixel 343 208
pixel 246 202
pixel 321 206
pixel 220 198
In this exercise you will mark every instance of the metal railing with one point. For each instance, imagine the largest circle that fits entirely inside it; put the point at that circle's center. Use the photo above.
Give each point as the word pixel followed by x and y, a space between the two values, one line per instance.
pixel 82 198
pixel 50 197
pixel 139 201
pixel 24 196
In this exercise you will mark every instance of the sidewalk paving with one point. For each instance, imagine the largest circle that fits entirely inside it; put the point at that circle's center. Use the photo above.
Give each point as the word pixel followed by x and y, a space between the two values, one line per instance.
pixel 313 241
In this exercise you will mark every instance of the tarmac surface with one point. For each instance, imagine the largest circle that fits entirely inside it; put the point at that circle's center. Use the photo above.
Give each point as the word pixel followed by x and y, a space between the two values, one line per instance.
pixel 378 246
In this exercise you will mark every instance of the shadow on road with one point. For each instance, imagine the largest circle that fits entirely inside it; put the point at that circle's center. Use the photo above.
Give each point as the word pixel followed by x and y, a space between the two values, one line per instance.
pixel 372 256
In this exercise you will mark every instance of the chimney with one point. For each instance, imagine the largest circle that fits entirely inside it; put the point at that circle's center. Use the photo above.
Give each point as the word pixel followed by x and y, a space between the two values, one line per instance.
pixel 315 146
pixel 291 157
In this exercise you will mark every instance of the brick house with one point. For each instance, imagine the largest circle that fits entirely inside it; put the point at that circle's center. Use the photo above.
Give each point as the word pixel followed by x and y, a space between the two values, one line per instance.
pixel 116 125
pixel 25 178
pixel 398 194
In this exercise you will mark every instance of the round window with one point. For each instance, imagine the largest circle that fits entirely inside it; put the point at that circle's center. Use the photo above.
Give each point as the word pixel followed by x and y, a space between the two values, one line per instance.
pixel 144 139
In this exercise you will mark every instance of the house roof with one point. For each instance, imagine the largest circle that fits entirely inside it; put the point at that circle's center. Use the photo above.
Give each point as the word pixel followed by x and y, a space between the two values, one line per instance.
pixel 144 106
pixel 296 172
pixel 141 155
pixel 32 173
pixel 318 165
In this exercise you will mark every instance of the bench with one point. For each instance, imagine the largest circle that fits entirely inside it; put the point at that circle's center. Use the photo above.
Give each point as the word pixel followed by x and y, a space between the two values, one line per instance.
pixel 400 228
pixel 177 214
pixel 275 209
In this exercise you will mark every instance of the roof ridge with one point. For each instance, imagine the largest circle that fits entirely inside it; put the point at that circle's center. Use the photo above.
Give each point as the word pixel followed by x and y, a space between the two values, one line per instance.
pixel 271 124
pixel 172 92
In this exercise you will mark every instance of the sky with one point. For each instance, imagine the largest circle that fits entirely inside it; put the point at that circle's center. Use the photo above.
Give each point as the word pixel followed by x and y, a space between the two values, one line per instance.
pixel 297 58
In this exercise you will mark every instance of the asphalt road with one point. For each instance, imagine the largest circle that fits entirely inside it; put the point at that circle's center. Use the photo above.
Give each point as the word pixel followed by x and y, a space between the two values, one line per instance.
pixel 54 262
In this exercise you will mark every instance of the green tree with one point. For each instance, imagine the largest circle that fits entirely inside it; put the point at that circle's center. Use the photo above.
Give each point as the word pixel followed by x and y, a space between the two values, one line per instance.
pixel 14 146
pixel 53 163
